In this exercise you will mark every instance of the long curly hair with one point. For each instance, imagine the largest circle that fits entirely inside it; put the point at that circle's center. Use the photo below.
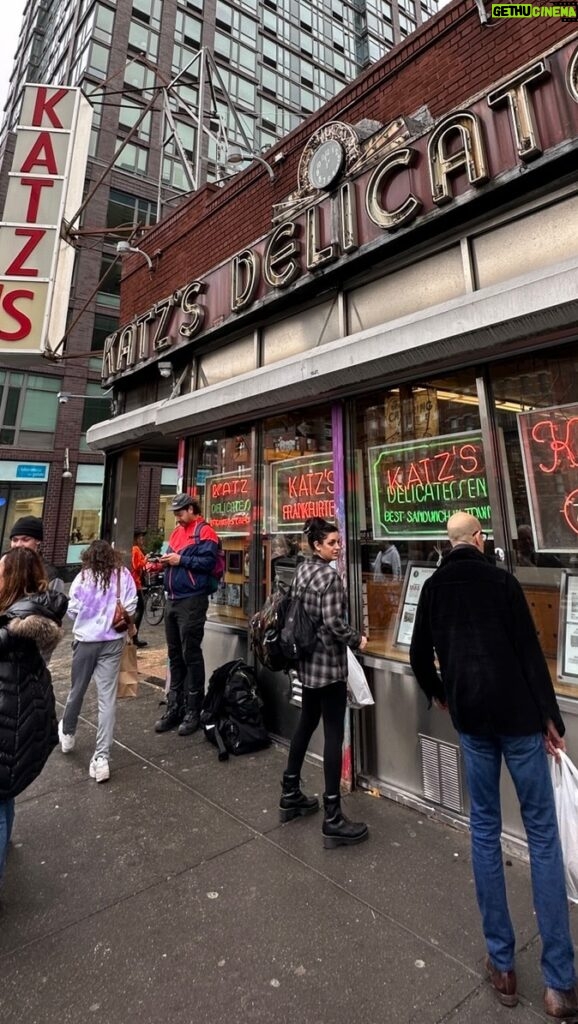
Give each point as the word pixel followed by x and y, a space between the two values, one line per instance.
pixel 22 574
pixel 101 559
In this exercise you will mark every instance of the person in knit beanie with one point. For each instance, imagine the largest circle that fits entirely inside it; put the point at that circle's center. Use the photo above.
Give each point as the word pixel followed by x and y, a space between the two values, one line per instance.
pixel 28 532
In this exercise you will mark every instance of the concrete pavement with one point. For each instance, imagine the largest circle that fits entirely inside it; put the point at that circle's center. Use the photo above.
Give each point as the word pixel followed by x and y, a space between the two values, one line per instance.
pixel 172 893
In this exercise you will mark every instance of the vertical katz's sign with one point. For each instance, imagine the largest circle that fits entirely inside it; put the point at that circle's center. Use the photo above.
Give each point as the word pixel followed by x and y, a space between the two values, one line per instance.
pixel 549 441
pixel 44 189
pixel 416 486
pixel 301 488
pixel 229 503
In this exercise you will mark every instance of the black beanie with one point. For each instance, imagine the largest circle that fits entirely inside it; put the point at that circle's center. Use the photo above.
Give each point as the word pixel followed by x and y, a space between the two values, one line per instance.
pixel 28 526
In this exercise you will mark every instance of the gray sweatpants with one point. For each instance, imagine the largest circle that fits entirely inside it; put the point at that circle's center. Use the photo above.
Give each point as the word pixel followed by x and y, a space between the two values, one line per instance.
pixel 100 660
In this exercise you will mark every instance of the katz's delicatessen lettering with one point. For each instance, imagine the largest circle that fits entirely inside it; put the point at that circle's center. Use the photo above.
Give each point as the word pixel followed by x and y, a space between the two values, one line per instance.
pixel 417 486
pixel 369 190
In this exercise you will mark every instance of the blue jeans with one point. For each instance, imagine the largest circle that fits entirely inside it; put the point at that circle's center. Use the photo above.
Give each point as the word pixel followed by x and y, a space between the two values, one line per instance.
pixel 527 763
pixel 6 820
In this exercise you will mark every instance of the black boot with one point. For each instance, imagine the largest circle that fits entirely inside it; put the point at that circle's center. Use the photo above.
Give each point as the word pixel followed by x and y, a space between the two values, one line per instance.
pixel 294 803
pixel 337 829
pixel 189 724
pixel 171 718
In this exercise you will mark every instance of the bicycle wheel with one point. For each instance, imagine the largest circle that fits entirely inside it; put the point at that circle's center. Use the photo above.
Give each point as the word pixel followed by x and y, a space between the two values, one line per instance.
pixel 154 606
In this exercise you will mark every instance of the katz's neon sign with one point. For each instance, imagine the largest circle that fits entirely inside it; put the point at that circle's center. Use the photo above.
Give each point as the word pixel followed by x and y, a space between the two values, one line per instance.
pixel 300 489
pixel 416 486
pixel 549 440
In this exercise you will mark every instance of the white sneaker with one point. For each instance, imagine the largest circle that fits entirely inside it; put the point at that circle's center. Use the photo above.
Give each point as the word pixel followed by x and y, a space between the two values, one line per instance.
pixel 67 740
pixel 99 769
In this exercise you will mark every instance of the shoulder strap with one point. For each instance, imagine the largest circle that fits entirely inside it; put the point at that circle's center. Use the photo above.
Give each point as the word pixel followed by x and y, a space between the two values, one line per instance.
pixel 317 572
pixel 118 584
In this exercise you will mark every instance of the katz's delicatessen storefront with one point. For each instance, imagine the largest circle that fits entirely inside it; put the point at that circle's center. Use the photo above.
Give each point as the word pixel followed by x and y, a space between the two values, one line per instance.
pixel 399 345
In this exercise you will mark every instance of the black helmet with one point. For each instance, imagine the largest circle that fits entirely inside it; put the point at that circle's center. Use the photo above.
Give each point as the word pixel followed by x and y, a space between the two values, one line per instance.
pixel 181 501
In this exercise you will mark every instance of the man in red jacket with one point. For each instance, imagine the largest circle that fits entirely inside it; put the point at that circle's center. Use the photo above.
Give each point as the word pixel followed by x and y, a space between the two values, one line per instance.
pixel 189 580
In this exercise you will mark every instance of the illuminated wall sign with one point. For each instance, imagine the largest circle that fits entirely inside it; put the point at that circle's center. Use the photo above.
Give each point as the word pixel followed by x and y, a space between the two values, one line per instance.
pixel 229 503
pixel 416 486
pixel 301 488
pixel 45 187
pixel 549 441
pixel 391 181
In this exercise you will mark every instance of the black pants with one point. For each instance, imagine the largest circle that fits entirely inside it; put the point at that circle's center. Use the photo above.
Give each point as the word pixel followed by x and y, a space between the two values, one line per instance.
pixel 139 611
pixel 329 702
pixel 184 628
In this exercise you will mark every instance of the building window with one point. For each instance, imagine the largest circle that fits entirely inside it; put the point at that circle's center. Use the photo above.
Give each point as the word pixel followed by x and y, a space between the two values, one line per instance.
pixel 85 520
pixel 133 158
pixel 28 409
pixel 109 292
pixel 127 211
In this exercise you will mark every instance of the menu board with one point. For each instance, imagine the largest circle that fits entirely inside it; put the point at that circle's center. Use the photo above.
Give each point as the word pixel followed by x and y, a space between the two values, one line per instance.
pixel 301 488
pixel 415 577
pixel 417 485
pixel 568 627
pixel 549 442
pixel 229 503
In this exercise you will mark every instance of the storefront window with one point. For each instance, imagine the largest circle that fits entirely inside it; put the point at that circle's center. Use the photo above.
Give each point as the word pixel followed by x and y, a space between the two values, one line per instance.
pixel 298 482
pixel 85 520
pixel 536 413
pixel 419 458
pixel 223 482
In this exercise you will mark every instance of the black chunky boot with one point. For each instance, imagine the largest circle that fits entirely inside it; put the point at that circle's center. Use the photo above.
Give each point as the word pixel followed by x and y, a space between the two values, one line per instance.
pixel 339 830
pixel 294 803
pixel 172 717
pixel 189 724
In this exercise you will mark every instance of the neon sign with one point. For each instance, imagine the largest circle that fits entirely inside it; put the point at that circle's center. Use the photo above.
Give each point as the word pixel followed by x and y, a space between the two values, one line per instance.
pixel 301 488
pixel 416 486
pixel 229 503
pixel 549 440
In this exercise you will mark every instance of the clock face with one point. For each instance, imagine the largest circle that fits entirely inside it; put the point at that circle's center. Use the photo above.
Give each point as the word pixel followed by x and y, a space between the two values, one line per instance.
pixel 326 164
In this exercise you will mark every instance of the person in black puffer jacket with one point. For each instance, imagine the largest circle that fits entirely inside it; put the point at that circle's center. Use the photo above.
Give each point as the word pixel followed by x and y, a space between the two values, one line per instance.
pixel 30 629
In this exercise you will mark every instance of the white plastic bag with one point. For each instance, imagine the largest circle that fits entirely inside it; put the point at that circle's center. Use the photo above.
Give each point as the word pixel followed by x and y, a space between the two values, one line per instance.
pixel 359 692
pixel 565 782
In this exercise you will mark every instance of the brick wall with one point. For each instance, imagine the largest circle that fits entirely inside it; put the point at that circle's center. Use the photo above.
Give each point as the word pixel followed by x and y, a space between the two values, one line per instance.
pixel 444 64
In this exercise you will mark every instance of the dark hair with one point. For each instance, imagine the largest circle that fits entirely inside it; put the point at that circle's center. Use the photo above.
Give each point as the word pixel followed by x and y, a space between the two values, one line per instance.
pixel 102 560
pixel 196 506
pixel 24 573
pixel 139 533
pixel 316 530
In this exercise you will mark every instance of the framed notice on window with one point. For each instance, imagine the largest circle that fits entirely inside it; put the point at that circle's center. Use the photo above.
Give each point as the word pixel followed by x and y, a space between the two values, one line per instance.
pixel 415 576
pixel 568 628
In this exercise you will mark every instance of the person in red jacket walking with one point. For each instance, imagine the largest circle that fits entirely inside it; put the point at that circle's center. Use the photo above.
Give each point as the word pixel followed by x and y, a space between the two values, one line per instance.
pixel 189 564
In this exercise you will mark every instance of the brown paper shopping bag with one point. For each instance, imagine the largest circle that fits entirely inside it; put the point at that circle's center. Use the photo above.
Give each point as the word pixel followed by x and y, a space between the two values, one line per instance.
pixel 128 672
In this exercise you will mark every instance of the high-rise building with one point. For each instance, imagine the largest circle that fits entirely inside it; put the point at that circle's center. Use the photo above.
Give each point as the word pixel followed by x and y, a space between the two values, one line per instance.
pixel 253 69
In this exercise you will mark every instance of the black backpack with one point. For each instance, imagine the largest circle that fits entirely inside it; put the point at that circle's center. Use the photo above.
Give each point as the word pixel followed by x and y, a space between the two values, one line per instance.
pixel 299 634
pixel 231 714
pixel 265 629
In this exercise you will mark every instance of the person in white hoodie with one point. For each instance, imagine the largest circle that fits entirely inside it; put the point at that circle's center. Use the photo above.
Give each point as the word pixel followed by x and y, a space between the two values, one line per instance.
pixel 97 648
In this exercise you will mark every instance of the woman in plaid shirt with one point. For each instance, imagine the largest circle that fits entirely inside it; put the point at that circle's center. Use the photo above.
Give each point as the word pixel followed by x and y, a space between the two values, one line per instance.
pixel 323 675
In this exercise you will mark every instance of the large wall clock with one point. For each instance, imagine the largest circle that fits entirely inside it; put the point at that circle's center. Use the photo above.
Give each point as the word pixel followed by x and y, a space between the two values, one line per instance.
pixel 326 164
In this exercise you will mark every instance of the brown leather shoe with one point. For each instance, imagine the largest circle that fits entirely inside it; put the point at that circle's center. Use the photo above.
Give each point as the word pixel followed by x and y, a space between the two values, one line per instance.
pixel 504 983
pixel 561 1003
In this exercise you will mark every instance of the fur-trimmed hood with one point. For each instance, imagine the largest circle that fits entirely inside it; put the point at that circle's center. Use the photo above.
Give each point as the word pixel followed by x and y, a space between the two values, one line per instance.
pixel 37 617
pixel 44 632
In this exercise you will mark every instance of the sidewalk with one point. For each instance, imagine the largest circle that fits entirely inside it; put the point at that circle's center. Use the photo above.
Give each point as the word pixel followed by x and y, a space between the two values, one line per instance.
pixel 172 894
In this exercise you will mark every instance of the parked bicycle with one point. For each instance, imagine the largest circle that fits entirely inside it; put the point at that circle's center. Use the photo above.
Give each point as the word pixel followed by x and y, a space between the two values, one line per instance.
pixel 153 592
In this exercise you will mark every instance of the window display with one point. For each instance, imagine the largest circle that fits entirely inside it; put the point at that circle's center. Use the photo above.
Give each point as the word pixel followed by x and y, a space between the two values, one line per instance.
pixel 421 458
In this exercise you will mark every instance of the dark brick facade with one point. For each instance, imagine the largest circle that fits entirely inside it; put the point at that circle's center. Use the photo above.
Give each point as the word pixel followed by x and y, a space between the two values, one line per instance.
pixel 444 64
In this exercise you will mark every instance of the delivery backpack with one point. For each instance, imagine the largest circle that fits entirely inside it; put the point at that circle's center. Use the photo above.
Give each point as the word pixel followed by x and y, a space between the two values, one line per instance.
pixel 231 714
